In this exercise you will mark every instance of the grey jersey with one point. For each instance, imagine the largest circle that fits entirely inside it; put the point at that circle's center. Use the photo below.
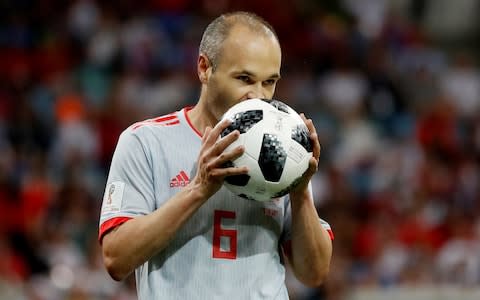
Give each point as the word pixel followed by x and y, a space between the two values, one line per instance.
pixel 229 248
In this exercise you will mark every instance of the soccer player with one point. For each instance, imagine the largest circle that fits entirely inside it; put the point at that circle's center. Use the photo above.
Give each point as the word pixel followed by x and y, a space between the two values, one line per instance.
pixel 165 213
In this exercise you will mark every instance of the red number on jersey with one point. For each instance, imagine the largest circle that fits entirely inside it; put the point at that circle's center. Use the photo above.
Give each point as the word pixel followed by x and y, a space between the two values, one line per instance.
pixel 218 232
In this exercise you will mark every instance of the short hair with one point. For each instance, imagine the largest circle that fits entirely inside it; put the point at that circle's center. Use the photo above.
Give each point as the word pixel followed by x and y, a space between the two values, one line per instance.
pixel 217 32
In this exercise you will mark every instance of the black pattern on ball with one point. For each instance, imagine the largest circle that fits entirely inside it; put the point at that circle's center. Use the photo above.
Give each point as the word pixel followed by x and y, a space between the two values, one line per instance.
pixel 243 121
pixel 300 134
pixel 272 158
pixel 228 164
pixel 278 105
pixel 238 180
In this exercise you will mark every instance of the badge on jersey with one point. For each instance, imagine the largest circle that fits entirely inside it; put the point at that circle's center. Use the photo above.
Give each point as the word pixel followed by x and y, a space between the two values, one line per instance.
pixel 273 208
pixel 112 199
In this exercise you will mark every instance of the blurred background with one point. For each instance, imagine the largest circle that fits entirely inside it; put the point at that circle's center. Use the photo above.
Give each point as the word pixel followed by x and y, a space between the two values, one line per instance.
pixel 392 86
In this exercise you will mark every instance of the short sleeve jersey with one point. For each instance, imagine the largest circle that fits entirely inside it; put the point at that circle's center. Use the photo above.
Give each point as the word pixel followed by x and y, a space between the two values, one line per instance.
pixel 228 249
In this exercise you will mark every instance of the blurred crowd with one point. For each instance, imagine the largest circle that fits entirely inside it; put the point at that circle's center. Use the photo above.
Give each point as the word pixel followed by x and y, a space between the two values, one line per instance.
pixel 393 88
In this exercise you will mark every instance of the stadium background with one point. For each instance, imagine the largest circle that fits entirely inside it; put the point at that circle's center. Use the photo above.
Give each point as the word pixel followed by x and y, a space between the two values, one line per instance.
pixel 393 88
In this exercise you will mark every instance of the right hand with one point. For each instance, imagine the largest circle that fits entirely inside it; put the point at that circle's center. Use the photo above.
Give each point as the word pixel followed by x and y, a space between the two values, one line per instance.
pixel 211 171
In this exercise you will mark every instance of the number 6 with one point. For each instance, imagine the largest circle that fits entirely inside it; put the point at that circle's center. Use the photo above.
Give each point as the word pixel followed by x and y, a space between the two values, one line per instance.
pixel 218 232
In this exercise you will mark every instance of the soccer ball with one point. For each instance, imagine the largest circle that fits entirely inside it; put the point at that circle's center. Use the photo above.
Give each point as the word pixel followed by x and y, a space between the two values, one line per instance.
pixel 277 148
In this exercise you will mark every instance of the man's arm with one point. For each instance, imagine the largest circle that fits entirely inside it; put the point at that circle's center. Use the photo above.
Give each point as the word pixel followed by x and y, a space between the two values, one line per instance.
pixel 137 240
pixel 311 246
pixel 131 244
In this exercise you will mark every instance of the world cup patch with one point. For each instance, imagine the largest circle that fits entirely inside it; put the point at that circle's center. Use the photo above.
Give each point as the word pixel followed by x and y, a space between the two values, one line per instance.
pixel 273 208
pixel 113 197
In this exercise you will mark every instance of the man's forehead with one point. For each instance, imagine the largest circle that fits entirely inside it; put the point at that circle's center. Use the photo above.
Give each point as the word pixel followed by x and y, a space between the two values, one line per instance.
pixel 251 62
pixel 240 31
pixel 246 51
pixel 243 41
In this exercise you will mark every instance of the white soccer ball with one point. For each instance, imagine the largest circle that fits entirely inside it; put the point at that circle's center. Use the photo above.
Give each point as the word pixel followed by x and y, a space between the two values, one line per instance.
pixel 277 148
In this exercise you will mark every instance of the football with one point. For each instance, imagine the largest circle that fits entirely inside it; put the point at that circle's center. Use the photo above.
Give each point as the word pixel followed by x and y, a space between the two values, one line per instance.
pixel 277 148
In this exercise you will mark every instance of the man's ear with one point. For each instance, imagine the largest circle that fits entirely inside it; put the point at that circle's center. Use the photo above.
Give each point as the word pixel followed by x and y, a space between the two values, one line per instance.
pixel 204 68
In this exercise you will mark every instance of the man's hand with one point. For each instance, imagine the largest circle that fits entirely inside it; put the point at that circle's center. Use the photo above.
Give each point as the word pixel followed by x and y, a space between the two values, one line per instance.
pixel 313 163
pixel 212 158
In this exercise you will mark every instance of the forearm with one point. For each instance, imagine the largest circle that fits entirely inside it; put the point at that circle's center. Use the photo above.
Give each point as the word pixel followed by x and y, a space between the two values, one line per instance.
pixel 137 240
pixel 311 244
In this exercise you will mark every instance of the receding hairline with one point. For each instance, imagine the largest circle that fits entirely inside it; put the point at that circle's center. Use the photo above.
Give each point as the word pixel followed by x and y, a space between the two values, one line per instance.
pixel 219 30
pixel 251 21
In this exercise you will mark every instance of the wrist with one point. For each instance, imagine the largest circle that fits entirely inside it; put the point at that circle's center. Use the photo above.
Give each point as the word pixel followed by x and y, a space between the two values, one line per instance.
pixel 198 192
pixel 301 202
pixel 300 195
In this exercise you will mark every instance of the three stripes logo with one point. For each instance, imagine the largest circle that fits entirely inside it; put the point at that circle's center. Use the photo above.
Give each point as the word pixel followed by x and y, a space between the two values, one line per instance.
pixel 180 180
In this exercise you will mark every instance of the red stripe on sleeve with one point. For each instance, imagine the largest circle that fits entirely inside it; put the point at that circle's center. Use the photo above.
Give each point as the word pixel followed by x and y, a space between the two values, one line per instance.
pixel 330 233
pixel 165 118
pixel 109 225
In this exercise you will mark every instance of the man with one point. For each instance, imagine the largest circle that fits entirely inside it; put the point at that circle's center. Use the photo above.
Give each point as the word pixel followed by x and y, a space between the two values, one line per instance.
pixel 165 213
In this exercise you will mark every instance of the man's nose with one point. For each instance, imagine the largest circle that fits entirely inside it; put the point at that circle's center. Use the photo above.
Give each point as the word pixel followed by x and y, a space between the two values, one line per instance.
pixel 257 91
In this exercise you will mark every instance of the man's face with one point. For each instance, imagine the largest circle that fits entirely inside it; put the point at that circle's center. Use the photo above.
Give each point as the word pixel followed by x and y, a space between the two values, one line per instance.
pixel 249 67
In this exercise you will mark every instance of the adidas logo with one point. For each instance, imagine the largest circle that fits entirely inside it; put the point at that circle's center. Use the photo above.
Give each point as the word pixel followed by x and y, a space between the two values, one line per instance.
pixel 180 180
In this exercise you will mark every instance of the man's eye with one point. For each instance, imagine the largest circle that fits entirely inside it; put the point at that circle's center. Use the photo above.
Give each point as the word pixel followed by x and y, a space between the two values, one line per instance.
pixel 270 82
pixel 244 78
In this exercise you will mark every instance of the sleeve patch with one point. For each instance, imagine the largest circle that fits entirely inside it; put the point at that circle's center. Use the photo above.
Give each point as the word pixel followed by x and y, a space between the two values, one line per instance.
pixel 113 197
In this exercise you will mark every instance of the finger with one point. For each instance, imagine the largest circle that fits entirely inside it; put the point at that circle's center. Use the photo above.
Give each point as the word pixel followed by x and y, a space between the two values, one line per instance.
pixel 310 171
pixel 316 145
pixel 308 123
pixel 312 166
pixel 228 156
pixel 222 143
pixel 224 172
pixel 313 136
pixel 302 115
pixel 215 132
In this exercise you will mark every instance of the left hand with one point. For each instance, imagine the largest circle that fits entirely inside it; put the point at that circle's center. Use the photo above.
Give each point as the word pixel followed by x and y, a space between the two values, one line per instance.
pixel 314 160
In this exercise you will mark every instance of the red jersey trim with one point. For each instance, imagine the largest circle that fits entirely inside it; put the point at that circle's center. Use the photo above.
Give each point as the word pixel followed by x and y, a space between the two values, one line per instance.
pixel 167 120
pixel 109 225
pixel 172 123
pixel 185 110
pixel 330 233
